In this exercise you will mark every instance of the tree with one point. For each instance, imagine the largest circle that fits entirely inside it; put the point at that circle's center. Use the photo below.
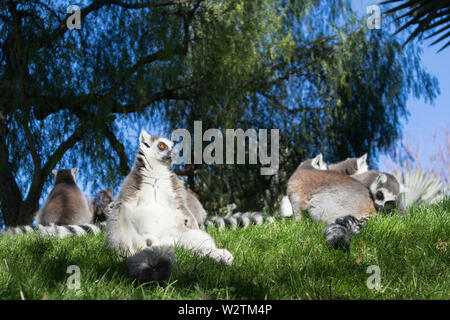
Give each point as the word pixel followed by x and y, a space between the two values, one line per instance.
pixel 428 17
pixel 77 97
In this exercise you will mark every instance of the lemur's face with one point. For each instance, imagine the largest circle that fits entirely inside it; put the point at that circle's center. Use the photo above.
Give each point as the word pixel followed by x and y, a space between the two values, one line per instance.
pixel 386 192
pixel 155 149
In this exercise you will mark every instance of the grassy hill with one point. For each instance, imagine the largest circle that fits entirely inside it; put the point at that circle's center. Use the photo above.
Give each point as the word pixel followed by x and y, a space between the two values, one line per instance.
pixel 284 260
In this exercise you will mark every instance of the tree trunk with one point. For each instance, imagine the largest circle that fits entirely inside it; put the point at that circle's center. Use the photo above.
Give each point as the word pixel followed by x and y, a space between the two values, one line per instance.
pixel 10 195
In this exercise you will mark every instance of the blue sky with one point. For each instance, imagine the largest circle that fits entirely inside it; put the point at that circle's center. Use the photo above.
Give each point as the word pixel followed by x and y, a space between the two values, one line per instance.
pixel 425 119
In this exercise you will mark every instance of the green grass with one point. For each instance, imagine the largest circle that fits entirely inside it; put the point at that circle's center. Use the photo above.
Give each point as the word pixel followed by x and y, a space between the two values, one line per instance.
pixel 285 260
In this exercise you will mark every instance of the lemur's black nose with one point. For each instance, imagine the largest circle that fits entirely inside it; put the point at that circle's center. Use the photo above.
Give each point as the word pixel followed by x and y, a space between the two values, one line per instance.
pixel 390 205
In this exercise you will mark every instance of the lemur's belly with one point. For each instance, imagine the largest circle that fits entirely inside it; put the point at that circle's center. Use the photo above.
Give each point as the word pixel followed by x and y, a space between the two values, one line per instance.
pixel 154 209
pixel 152 218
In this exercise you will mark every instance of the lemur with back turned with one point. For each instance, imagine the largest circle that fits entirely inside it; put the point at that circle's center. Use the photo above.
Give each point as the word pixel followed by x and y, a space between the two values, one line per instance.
pixel 65 211
pixel 66 204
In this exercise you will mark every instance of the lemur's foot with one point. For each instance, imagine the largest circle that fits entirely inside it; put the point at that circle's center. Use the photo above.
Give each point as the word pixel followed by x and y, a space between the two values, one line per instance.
pixel 223 256
pixel 151 264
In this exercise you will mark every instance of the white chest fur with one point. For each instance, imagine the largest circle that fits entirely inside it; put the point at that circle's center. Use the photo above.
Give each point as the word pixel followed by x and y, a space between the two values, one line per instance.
pixel 154 209
pixel 155 191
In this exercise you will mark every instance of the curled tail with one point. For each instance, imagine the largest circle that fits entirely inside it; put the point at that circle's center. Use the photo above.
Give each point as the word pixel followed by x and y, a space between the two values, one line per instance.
pixel 59 231
pixel 151 264
pixel 338 233
pixel 237 220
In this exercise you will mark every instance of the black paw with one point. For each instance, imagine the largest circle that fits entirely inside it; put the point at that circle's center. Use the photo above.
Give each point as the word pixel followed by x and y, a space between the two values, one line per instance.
pixel 151 264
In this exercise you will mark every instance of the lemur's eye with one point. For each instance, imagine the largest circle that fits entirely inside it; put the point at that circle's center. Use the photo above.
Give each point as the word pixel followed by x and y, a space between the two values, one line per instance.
pixel 379 195
pixel 162 146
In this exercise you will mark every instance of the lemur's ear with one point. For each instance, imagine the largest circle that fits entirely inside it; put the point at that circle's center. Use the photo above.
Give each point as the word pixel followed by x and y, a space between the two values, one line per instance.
pixel 323 165
pixel 144 136
pixel 404 189
pixel 74 172
pixel 362 160
pixel 54 172
pixel 316 161
pixel 382 178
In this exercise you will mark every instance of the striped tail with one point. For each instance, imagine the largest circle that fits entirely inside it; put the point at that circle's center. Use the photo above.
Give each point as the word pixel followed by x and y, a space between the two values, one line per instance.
pixel 151 264
pixel 237 220
pixel 338 233
pixel 59 231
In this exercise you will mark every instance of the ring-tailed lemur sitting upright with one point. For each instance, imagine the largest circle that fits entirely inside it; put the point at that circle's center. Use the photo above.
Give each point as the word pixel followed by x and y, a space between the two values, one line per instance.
pixel 65 204
pixel 99 203
pixel 150 216
pixel 194 206
pixel 65 211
